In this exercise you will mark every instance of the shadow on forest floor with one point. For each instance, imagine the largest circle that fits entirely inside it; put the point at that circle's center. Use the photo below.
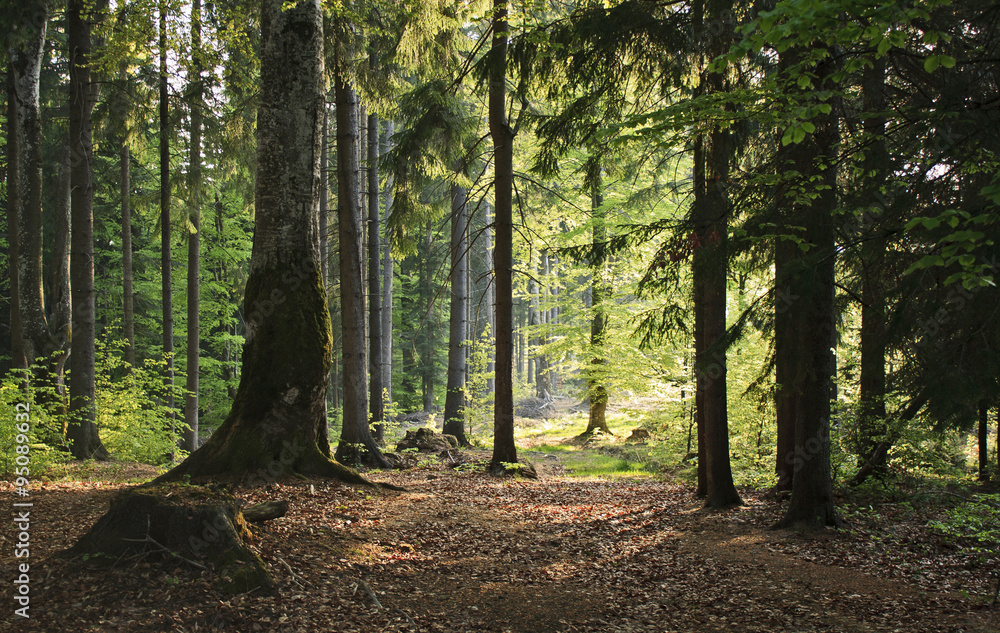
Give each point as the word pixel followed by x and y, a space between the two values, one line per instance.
pixel 462 551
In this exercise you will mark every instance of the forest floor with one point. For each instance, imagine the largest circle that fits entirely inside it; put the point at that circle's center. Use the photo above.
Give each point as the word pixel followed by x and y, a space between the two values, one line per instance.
pixel 461 551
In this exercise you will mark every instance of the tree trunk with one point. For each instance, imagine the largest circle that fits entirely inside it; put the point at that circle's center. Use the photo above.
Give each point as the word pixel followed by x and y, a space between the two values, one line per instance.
pixel 504 450
pixel 387 278
pixel 26 184
pixel 709 267
pixel 166 259
pixel 698 291
pixel 491 298
pixel 278 421
pixel 813 280
pixel 454 406
pixel 427 353
pixel 983 437
pixel 871 387
pixel 194 237
pixel 355 432
pixel 128 320
pixel 599 293
pixel 13 210
pixel 82 431
pixel 376 397
pixel 324 199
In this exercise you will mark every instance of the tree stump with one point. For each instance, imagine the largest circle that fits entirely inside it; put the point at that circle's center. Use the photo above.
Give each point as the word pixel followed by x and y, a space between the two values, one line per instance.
pixel 198 525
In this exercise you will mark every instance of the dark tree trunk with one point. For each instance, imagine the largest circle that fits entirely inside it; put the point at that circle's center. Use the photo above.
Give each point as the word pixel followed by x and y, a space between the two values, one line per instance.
pixel 871 414
pixel 504 450
pixel 813 281
pixel 278 421
pixel 454 406
pixel 355 432
pixel 128 320
pixel 82 431
pixel 698 284
pixel 709 266
pixel 600 292
pixel 166 259
pixel 194 237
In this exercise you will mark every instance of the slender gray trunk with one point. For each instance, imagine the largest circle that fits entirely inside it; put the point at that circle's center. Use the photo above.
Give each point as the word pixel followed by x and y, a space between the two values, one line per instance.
pixel 454 407
pixel 376 400
pixel 355 432
pixel 387 277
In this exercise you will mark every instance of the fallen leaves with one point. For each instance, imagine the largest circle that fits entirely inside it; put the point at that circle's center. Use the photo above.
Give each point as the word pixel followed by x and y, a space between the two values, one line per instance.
pixel 466 552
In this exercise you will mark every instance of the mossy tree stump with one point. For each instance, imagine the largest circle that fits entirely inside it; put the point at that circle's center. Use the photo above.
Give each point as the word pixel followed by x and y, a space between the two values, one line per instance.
pixel 197 525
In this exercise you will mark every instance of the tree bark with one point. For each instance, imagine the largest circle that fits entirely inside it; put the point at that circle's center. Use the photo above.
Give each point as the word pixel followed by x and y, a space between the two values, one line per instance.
pixel 36 340
pixel 324 199
pixel 375 397
pixel 278 421
pixel 504 450
pixel 128 319
pixel 427 353
pixel 709 268
pixel 166 258
pixel 82 431
pixel 871 387
pixel 194 237
pixel 13 210
pixel 355 432
pixel 599 293
pixel 454 406
pixel 387 279
pixel 983 437
pixel 813 280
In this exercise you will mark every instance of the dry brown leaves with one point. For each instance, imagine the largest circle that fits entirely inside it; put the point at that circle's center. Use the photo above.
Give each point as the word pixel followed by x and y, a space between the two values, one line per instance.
pixel 466 552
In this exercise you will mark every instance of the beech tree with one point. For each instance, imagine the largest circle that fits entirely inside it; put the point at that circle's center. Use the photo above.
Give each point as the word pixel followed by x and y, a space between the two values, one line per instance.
pixel 279 414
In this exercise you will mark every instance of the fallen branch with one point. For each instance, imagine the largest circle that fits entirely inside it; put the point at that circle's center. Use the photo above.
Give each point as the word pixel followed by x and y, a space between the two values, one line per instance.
pixel 295 577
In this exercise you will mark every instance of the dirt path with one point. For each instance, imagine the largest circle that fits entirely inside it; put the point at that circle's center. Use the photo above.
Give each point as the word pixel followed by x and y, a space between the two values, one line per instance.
pixel 464 552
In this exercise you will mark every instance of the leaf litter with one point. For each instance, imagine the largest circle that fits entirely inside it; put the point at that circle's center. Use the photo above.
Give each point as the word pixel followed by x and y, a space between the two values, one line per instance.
pixel 462 551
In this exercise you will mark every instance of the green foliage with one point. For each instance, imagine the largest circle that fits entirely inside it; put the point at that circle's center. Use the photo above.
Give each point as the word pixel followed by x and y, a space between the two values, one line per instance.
pixel 132 419
pixel 45 438
pixel 479 399
pixel 975 523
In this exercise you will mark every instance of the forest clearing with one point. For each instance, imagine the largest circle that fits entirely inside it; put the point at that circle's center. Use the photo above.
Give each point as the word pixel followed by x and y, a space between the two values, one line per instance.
pixel 462 551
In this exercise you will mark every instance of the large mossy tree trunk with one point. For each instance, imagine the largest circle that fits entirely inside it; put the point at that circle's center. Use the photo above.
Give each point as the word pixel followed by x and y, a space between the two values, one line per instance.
pixel 82 434
pixel 454 404
pixel 278 421
pixel 504 449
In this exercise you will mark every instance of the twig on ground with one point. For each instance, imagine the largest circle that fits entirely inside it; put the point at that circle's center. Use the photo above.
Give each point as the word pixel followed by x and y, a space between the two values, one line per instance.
pixel 295 577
